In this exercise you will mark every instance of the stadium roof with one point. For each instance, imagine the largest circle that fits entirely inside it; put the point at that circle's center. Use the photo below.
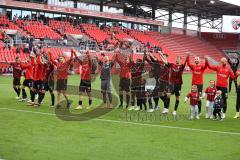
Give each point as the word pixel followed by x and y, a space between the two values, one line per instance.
pixel 206 8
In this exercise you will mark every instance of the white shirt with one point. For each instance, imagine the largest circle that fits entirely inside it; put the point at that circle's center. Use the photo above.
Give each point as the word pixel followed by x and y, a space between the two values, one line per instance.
pixel 150 84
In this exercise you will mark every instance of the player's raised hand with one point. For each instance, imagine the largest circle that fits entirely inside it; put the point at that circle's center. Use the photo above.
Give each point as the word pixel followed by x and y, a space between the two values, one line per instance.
pixel 32 55
pixel 188 52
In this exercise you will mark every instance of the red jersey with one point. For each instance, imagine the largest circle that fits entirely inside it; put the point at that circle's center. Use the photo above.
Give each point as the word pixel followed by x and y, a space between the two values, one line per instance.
pixel 48 72
pixel 29 67
pixel 136 72
pixel 194 98
pixel 86 71
pixel 211 92
pixel 38 70
pixel 176 72
pixel 164 71
pixel 125 71
pixel 62 68
pixel 223 73
pixel 16 69
pixel 197 72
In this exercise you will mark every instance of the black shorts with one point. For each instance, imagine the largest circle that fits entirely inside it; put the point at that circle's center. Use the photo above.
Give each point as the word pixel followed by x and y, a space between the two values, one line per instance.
pixel 124 84
pixel 16 81
pixel 38 85
pixel 164 86
pixel 49 86
pixel 28 83
pixel 134 88
pixel 61 85
pixel 85 86
pixel 177 89
pixel 200 87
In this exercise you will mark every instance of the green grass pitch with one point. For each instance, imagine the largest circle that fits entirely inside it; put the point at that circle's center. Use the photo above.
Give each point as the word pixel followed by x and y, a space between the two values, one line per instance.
pixel 37 134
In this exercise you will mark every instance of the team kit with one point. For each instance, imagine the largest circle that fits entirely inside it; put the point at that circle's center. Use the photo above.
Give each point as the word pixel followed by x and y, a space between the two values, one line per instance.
pixel 142 89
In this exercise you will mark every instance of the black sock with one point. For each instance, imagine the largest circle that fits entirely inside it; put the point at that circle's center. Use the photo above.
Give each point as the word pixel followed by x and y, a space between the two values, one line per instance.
pixel 53 99
pixel 17 91
pixel 167 103
pixel 80 103
pixel 150 103
pixel 139 103
pixel 121 99
pixel 176 105
pixel 199 106
pixel 156 99
pixel 132 100
pixel 127 99
pixel 40 97
pixel 90 102
pixel 110 97
pixel 32 95
pixel 104 98
pixel 24 94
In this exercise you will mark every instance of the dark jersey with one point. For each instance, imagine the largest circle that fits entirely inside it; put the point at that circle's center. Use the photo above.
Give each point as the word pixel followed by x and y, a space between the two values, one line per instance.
pixel 176 72
pixel 159 70
pixel 211 92
pixel 194 98
pixel 218 102
pixel 17 71
pixel 106 70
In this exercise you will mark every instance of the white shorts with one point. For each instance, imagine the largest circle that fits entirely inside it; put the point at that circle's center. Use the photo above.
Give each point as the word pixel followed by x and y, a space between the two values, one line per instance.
pixel 209 103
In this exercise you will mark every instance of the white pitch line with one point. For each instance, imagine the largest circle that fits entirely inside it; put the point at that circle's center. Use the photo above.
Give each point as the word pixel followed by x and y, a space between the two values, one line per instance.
pixel 132 123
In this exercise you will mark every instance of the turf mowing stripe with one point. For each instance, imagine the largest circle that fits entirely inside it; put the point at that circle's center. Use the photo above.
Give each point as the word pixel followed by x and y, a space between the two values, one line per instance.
pixel 133 123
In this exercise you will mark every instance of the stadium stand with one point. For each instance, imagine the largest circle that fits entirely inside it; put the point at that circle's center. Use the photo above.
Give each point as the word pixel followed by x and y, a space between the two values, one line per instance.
pixel 221 41
pixel 179 44
pixel 64 27
pixel 94 32
pixel 6 24
pixel 38 30
pixel 144 38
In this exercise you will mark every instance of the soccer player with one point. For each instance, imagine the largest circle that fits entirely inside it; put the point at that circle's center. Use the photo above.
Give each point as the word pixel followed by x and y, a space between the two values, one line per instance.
pixel 105 77
pixel 17 71
pixel 38 77
pixel 233 62
pixel 155 71
pixel 161 73
pixel 210 92
pixel 176 71
pixel 164 81
pixel 194 100
pixel 62 68
pixel 28 66
pixel 122 58
pixel 223 73
pixel 86 77
pixel 49 80
pixel 137 69
pixel 197 76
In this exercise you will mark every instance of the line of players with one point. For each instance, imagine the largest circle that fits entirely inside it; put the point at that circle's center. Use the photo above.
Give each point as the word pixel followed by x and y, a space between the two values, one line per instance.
pixel 39 79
